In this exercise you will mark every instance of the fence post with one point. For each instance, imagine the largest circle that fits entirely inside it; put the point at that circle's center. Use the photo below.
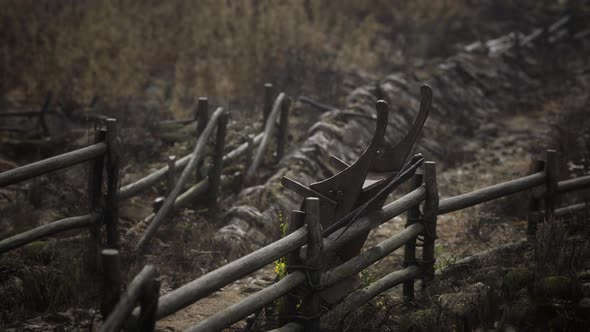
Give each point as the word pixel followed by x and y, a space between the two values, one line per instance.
pixel 202 117
pixel 111 213
pixel 534 216
pixel 112 281
pixel 171 174
pixel 289 308
pixel 311 302
pixel 148 302
pixel 215 171
pixel 268 92
pixel 95 192
pixel 283 131
pixel 248 156
pixel 551 171
pixel 429 218
pixel 413 216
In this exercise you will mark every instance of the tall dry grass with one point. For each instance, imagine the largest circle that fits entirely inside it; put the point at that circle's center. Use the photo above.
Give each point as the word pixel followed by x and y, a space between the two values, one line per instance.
pixel 178 50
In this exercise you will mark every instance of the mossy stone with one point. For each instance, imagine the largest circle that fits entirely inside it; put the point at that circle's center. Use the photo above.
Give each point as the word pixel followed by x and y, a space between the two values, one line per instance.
pixel 39 251
pixel 557 287
pixel 516 279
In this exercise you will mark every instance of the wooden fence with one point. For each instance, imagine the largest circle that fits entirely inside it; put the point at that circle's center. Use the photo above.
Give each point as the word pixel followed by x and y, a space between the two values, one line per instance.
pixel 303 245
pixel 103 156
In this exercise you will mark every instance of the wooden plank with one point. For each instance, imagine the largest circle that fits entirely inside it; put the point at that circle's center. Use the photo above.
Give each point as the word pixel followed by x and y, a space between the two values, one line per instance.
pixel 573 184
pixel 122 310
pixel 475 197
pixel 268 133
pixel 252 303
pixel 112 281
pixel 55 227
pixel 168 206
pixel 45 166
pixel 364 295
pixel 312 302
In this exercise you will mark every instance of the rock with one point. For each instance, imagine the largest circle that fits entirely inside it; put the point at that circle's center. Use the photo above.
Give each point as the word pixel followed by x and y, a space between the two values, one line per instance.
pixel 515 280
pixel 556 287
pixel 586 289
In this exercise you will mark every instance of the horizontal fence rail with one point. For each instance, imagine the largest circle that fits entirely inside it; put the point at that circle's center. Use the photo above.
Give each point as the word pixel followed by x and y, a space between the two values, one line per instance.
pixel 152 179
pixel 573 184
pixel 55 227
pixel 463 201
pixel 364 295
pixel 340 238
pixel 52 164
pixel 212 281
pixel 257 301
pixel 196 156
pixel 572 209
pixel 371 255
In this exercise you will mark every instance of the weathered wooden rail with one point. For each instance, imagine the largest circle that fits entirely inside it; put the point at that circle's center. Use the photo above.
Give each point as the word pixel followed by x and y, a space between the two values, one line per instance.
pixel 210 185
pixel 201 116
pixel 308 246
pixel 103 155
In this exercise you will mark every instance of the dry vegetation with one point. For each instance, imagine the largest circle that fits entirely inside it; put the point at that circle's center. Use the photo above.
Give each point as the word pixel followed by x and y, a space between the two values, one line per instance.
pixel 174 51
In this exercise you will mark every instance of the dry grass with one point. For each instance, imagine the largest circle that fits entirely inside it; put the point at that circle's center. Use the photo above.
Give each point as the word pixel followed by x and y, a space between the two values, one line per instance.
pixel 177 50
